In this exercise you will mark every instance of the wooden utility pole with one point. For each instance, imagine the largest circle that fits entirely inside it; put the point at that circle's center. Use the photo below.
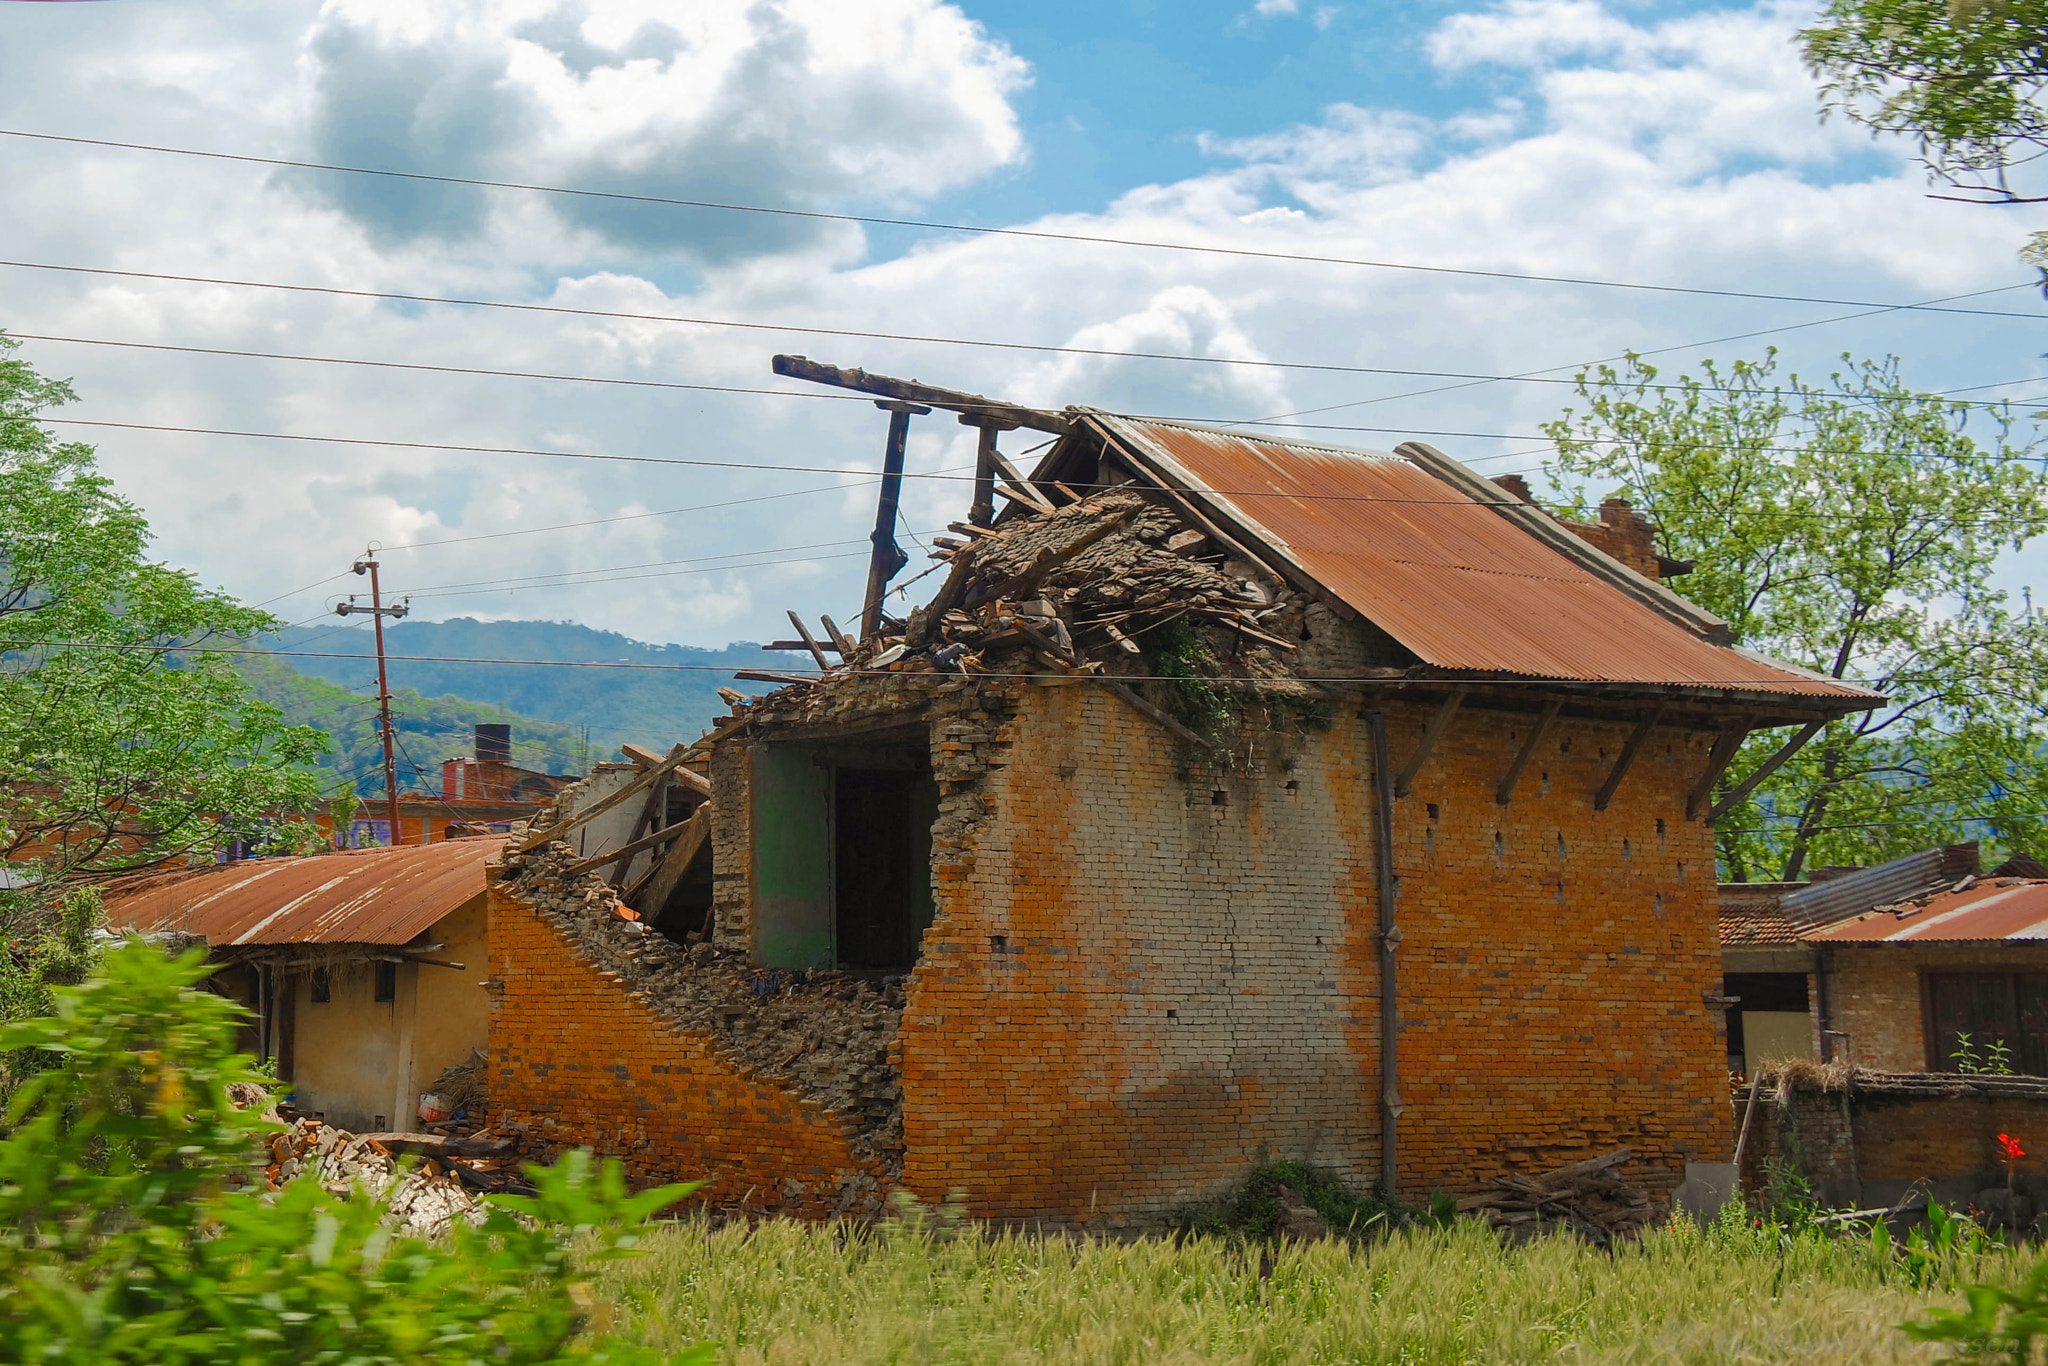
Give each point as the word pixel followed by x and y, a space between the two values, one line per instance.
pixel 378 611
pixel 888 557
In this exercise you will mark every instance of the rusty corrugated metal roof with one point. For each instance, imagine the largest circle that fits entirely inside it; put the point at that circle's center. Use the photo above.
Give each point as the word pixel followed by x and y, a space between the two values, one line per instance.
pixel 2001 909
pixel 1752 914
pixel 1446 575
pixel 1824 903
pixel 367 896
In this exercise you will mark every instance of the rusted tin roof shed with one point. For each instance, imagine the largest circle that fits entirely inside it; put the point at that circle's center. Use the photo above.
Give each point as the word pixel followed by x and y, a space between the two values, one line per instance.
pixel 367 896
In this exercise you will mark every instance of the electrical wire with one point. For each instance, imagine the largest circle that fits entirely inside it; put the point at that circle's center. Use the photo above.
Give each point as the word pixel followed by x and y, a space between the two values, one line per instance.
pixel 807 674
pixel 1528 377
pixel 915 474
pixel 1609 360
pixel 1036 234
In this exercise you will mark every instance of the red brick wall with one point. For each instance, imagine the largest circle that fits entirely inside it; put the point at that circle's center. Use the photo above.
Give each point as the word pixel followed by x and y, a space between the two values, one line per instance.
pixel 575 1061
pixel 1552 976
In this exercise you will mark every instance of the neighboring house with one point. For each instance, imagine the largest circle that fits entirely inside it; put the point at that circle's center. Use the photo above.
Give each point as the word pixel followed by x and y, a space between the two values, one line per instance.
pixel 1769 962
pixel 1937 983
pixel 363 971
pixel 986 915
pixel 484 793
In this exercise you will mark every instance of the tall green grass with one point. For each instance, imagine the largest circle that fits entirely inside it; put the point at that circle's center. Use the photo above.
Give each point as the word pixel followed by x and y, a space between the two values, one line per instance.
pixel 927 1289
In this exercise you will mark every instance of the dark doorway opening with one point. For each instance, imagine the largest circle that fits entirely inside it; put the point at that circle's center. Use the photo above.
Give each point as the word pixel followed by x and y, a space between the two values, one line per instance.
pixel 882 862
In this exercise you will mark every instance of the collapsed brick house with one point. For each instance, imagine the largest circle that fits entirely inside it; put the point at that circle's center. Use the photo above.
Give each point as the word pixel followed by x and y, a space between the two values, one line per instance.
pixel 1215 762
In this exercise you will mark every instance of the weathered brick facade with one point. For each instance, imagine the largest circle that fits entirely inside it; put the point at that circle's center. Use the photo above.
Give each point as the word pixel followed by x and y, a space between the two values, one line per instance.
pixel 1143 976
pixel 577 1061
pixel 1145 970
pixel 1873 994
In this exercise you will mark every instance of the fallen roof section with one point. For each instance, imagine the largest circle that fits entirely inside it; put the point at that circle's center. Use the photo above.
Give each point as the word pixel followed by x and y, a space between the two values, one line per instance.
pixel 366 896
pixel 1463 582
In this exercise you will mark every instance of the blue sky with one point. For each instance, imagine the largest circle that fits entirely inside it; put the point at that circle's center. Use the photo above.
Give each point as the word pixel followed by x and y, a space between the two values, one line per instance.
pixel 1670 144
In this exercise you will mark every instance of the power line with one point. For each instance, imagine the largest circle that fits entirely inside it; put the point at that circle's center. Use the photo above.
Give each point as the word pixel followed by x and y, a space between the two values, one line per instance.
pixel 981 230
pixel 807 675
pixel 1528 377
pixel 914 474
pixel 1654 351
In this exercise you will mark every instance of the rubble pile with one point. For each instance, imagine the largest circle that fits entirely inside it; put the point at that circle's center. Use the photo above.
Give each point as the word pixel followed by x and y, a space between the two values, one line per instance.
pixel 1586 1198
pixel 830 1036
pixel 443 1183
pixel 1075 591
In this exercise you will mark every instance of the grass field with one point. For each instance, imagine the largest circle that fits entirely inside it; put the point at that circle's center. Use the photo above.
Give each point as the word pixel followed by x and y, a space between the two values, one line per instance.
pixel 919 1290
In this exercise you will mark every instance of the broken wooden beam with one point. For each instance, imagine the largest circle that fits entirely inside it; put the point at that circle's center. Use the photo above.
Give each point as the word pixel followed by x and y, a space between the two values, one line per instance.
pixel 625 851
pixel 646 778
pixel 910 391
pixel 764 676
pixel 652 892
pixel 804 632
pixel 846 645
pixel 1735 794
pixel 1627 757
pixel 1431 733
pixel 1506 790
pixel 1162 717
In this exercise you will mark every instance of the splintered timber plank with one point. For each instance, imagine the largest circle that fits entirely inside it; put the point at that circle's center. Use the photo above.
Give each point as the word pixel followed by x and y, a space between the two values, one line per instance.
pixel 804 632
pixel 535 839
pixel 661 880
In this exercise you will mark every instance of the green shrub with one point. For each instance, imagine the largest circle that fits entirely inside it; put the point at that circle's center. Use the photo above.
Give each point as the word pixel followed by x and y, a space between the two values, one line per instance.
pixel 1253 1207
pixel 123 1237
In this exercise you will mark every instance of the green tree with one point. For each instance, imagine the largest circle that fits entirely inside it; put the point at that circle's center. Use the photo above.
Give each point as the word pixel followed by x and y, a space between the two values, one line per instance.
pixel 117 750
pixel 1963 78
pixel 1851 529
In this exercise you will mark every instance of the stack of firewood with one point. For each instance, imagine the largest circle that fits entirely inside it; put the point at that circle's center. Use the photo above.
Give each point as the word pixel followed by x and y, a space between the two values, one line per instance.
pixel 1585 1198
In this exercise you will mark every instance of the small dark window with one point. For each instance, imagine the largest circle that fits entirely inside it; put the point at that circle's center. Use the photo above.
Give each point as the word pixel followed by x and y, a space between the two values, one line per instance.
pixel 387 981
pixel 323 990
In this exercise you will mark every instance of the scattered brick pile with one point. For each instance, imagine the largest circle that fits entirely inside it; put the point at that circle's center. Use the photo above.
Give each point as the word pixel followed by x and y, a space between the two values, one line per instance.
pixel 442 1185
pixel 1586 1198
pixel 827 1036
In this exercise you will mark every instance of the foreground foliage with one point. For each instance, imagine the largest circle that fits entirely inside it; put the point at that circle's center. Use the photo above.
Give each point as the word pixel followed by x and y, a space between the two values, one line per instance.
pixel 123 1237
pixel 931 1288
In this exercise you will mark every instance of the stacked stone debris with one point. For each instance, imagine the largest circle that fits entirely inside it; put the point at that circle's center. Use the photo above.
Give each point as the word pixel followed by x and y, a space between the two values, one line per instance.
pixel 828 1036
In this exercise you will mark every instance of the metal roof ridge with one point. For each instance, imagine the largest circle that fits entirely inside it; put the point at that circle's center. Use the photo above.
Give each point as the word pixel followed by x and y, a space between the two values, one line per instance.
pixel 1188 424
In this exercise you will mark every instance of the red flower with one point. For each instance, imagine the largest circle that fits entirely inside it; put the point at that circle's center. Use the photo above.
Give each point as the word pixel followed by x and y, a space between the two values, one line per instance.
pixel 2012 1147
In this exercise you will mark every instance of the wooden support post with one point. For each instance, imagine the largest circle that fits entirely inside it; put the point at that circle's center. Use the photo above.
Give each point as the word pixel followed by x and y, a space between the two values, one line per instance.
pixel 1718 759
pixel 623 855
pixel 1430 735
pixel 887 557
pixel 804 633
pixel 1764 770
pixel 983 511
pixel 1628 757
pixel 1506 789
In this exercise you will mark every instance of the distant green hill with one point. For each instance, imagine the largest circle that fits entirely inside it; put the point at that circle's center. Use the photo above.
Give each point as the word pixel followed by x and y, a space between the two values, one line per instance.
pixel 429 729
pixel 654 707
